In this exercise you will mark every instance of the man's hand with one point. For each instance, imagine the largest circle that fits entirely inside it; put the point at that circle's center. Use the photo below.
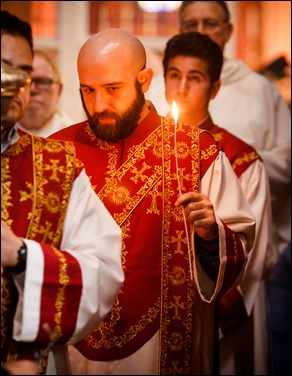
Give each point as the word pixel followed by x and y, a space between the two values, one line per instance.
pixel 199 212
pixel 10 244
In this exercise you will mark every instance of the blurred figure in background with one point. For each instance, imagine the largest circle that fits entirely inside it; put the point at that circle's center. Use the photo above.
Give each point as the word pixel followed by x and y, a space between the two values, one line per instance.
pixel 20 367
pixel 43 116
pixel 279 314
pixel 279 73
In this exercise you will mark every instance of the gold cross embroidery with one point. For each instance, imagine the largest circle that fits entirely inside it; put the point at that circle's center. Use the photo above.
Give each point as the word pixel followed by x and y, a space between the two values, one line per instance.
pixel 139 174
pixel 45 231
pixel 179 239
pixel 54 167
pixel 154 193
pixel 176 305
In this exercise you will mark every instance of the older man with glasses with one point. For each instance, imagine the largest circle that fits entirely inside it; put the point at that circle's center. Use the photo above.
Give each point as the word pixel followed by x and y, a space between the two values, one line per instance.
pixel 43 115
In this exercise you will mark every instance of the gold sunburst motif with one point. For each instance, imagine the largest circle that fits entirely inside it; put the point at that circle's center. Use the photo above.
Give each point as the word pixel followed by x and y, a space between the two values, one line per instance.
pixel 53 146
pixel 178 275
pixel 182 150
pixel 53 202
pixel 120 195
pixel 176 341
pixel 157 149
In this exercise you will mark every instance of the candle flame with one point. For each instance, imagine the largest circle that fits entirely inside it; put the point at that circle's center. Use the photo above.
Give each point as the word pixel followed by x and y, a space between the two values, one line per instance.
pixel 174 111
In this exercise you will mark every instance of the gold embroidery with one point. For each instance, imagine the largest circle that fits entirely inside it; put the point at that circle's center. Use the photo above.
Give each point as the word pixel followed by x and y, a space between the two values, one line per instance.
pixel 45 231
pixel 64 281
pixel 207 153
pixel 105 330
pixel 177 276
pixel 52 202
pixel 176 305
pixel 179 238
pixel 120 195
pixel 154 193
pixel 182 150
pixel 218 136
pixel 245 159
pixel 53 166
pixel 139 174
pixel 175 342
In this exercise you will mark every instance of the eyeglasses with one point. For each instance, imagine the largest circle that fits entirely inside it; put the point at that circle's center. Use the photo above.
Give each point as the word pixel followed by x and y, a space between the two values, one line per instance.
pixel 43 83
pixel 207 24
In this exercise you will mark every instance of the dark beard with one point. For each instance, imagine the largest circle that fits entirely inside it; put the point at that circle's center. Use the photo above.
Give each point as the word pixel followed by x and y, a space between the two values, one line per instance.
pixel 125 124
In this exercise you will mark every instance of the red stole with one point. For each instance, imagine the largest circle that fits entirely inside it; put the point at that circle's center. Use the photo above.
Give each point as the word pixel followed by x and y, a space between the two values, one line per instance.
pixel 36 182
pixel 158 291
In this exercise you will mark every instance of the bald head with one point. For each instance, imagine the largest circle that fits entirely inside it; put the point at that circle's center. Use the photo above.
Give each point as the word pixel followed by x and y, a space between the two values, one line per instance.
pixel 113 79
pixel 113 45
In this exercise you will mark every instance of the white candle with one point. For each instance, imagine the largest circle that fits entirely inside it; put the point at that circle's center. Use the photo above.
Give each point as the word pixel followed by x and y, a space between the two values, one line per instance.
pixel 174 111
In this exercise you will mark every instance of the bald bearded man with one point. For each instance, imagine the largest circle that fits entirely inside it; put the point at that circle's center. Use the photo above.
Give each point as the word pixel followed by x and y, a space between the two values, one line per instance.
pixel 186 231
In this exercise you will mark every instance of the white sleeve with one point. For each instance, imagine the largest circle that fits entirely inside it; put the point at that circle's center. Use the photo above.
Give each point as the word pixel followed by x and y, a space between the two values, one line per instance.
pixel 232 209
pixel 261 258
pixel 93 238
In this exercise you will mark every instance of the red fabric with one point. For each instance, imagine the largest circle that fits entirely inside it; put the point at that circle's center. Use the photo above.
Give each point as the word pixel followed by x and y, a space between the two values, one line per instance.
pixel 34 205
pixel 136 179
pixel 240 154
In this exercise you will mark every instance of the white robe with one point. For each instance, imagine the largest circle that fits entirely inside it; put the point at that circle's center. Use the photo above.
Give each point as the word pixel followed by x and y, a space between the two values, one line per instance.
pixel 58 121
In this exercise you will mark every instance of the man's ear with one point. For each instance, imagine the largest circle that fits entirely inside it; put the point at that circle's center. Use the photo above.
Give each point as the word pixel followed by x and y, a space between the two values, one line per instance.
pixel 60 89
pixel 145 78
pixel 228 32
pixel 215 88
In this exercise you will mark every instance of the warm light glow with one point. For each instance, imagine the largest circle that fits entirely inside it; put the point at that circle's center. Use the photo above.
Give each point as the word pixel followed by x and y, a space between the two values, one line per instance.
pixel 159 6
pixel 174 111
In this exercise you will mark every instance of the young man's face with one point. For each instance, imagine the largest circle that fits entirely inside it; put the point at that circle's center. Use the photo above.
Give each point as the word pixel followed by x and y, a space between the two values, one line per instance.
pixel 206 17
pixel 188 83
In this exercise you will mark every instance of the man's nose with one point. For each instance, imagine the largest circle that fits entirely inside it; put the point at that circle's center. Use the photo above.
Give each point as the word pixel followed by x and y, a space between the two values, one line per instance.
pixel 201 27
pixel 183 86
pixel 100 102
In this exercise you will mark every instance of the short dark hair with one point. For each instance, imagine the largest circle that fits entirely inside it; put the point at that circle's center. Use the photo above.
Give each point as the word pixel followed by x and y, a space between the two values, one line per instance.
pixel 196 45
pixel 13 25
pixel 222 4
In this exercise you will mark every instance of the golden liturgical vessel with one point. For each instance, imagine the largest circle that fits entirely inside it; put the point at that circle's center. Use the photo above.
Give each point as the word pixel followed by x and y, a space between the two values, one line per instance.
pixel 12 80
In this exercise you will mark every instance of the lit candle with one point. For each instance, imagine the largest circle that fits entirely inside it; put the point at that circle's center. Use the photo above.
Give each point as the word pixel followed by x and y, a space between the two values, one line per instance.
pixel 174 111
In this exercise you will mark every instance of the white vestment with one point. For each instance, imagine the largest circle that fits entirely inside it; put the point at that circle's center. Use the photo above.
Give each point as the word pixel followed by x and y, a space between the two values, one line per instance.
pixel 58 121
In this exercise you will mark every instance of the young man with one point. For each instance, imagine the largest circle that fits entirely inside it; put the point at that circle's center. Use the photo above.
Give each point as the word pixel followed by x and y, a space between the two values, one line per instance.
pixel 192 65
pixel 60 248
pixel 43 116
pixel 184 243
